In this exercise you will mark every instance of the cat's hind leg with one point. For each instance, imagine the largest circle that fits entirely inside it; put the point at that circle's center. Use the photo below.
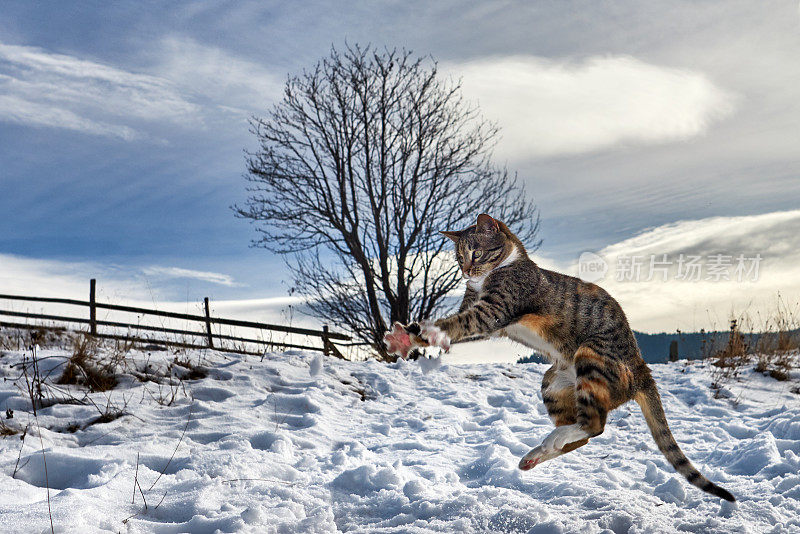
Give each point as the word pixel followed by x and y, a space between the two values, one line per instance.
pixel 558 394
pixel 545 452
pixel 595 377
pixel 597 386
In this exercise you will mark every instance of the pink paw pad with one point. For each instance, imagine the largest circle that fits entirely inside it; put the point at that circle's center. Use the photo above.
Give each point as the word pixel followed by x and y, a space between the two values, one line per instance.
pixel 398 341
pixel 528 464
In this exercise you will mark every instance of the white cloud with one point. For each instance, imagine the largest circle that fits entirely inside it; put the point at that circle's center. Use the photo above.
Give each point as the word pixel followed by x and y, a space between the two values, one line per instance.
pixel 21 111
pixel 53 278
pixel 235 84
pixel 188 84
pixel 658 305
pixel 118 283
pixel 63 91
pixel 126 285
pixel 547 107
pixel 177 272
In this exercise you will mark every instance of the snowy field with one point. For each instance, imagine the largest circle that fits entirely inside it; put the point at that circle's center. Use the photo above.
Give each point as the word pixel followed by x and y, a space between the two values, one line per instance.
pixel 295 443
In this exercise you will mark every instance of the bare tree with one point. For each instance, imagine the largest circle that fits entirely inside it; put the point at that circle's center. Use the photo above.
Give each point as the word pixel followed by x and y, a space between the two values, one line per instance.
pixel 367 156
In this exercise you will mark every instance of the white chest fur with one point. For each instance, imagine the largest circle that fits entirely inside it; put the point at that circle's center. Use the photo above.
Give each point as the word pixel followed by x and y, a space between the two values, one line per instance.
pixel 476 284
pixel 529 338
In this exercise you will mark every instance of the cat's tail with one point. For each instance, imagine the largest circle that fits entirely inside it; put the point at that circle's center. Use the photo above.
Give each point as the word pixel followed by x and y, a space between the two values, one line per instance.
pixel 650 402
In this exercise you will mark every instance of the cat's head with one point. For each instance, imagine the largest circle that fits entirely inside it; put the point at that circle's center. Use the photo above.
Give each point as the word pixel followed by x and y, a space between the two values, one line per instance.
pixel 482 247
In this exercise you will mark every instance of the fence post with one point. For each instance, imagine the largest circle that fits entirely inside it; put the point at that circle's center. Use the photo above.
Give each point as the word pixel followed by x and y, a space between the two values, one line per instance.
pixel 325 348
pixel 92 307
pixel 208 324
pixel 673 351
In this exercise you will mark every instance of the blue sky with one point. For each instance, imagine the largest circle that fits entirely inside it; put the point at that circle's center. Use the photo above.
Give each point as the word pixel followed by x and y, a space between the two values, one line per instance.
pixel 123 125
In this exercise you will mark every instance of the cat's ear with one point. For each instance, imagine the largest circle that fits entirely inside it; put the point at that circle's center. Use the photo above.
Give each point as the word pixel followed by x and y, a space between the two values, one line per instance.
pixel 452 235
pixel 487 224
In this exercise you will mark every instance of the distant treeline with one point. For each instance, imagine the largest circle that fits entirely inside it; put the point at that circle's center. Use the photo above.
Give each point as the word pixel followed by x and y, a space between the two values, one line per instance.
pixel 691 346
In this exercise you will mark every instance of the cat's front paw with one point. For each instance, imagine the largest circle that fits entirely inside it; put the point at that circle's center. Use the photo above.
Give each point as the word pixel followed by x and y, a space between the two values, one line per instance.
pixel 435 336
pixel 398 341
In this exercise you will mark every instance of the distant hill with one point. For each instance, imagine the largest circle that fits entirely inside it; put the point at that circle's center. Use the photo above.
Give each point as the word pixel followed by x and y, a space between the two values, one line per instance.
pixel 691 345
pixel 655 347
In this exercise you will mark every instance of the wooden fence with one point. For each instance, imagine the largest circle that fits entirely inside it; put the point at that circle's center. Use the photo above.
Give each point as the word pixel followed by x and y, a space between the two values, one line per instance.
pixel 210 338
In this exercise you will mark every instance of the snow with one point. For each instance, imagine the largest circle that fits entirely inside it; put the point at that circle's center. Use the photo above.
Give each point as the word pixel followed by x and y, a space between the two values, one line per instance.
pixel 300 443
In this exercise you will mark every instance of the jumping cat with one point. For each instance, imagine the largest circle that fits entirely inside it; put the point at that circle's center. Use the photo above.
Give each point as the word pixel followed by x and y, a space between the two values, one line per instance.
pixel 577 325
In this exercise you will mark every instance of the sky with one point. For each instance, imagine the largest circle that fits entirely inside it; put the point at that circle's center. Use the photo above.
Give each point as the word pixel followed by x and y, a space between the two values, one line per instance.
pixel 123 128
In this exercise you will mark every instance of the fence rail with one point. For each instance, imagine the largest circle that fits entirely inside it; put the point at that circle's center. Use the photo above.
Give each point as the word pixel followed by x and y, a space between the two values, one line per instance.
pixel 205 322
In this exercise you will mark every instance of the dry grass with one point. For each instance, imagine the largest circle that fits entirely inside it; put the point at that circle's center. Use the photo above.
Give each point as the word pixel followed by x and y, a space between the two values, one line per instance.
pixel 85 367
pixel 111 414
pixel 186 370
pixel 11 339
pixel 777 347
pixel 731 359
pixel 736 350
pixel 6 430
pixel 95 365
pixel 19 339
pixel 774 345
pixel 777 366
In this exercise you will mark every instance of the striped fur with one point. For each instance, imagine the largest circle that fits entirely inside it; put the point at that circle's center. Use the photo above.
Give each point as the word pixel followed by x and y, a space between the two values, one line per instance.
pixel 577 325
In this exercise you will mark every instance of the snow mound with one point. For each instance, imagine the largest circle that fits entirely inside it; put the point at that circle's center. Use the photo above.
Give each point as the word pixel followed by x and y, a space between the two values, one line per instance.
pixel 300 443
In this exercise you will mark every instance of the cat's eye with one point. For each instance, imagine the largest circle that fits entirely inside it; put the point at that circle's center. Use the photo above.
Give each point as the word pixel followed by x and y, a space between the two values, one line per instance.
pixel 477 254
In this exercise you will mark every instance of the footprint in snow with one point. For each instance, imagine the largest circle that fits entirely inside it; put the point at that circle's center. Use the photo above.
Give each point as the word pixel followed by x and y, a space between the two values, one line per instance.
pixel 212 394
